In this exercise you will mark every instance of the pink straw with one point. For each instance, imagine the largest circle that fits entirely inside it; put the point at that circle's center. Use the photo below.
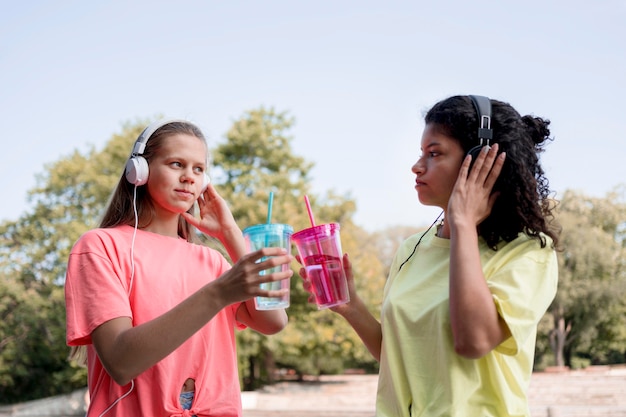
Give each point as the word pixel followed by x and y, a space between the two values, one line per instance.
pixel 308 208
pixel 319 246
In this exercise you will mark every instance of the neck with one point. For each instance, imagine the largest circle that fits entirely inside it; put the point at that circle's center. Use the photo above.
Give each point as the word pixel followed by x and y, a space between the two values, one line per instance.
pixel 443 231
pixel 167 227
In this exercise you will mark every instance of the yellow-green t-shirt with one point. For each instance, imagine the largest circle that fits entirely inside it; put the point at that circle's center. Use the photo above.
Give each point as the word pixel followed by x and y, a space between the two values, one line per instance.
pixel 420 373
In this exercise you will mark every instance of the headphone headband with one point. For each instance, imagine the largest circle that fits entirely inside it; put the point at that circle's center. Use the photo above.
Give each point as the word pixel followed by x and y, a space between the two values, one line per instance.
pixel 140 143
pixel 482 105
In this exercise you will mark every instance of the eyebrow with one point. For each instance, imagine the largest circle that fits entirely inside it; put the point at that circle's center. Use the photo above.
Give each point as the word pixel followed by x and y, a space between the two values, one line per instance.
pixel 431 145
pixel 178 157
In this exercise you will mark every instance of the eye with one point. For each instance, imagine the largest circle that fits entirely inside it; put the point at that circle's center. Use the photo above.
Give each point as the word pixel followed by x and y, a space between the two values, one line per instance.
pixel 177 164
pixel 429 154
pixel 199 170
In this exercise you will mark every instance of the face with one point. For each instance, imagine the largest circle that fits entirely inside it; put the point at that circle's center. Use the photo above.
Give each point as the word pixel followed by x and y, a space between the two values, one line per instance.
pixel 437 168
pixel 177 173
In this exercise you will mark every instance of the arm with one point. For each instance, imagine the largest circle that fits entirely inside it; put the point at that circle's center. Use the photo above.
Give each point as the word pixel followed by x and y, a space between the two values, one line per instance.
pixel 217 220
pixel 477 327
pixel 355 312
pixel 127 351
pixel 365 325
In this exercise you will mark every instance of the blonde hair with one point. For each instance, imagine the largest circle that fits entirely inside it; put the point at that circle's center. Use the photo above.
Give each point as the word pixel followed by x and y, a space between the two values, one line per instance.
pixel 78 354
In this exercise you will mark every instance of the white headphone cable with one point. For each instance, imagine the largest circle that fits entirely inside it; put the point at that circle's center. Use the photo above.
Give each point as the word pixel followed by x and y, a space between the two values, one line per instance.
pixel 130 287
pixel 132 385
pixel 132 244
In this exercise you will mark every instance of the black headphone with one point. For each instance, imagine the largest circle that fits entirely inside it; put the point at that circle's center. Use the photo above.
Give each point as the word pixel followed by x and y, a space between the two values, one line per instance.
pixel 482 105
pixel 136 169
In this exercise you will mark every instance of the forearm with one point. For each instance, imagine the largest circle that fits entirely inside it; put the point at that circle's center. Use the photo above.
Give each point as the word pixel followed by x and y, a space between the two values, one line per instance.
pixel 127 351
pixel 365 325
pixel 476 325
pixel 263 321
pixel 234 243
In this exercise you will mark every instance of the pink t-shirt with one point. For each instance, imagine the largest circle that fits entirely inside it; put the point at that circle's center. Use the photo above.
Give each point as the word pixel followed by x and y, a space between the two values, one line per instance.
pixel 166 271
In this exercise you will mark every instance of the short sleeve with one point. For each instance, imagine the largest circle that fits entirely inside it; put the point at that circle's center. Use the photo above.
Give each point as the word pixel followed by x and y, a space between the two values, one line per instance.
pixel 95 289
pixel 523 282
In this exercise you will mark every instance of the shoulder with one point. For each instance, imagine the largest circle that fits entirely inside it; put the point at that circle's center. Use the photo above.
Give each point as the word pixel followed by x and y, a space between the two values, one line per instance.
pixel 422 238
pixel 527 247
pixel 101 237
pixel 523 240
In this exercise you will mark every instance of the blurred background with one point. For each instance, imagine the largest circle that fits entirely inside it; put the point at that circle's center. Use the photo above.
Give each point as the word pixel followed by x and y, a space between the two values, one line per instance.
pixel 323 99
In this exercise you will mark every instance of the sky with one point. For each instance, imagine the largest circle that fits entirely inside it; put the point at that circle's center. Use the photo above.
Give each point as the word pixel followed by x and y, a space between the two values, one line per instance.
pixel 356 76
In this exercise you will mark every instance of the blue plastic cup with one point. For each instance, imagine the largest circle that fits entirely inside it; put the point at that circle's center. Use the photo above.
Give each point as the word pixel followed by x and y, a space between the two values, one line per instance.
pixel 270 235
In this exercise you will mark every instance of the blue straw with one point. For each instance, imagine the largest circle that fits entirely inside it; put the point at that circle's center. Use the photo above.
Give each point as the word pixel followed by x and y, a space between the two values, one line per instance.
pixel 270 203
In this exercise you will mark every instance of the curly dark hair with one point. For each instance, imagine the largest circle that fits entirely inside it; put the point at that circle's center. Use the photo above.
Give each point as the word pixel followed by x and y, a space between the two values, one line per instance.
pixel 524 203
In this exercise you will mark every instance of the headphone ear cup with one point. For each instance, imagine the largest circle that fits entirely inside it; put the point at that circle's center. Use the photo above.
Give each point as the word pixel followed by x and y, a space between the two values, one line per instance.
pixel 137 170
pixel 475 151
pixel 205 182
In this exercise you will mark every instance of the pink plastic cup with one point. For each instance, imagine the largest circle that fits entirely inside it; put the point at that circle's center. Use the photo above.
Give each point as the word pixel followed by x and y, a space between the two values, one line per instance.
pixel 320 252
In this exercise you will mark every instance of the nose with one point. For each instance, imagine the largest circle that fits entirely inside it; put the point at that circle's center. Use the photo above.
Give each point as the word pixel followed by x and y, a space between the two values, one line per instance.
pixel 418 167
pixel 188 176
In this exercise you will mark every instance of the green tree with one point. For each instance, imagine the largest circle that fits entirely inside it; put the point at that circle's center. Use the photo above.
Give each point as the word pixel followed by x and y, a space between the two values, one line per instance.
pixel 67 201
pixel 589 312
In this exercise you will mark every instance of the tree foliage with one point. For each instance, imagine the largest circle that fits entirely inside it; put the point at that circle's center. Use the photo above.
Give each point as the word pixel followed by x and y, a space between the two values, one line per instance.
pixel 68 200
pixel 589 311
pixel 588 314
pixel 257 159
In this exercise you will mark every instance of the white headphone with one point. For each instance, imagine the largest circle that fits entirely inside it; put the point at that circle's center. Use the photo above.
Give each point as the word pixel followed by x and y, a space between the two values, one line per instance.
pixel 136 169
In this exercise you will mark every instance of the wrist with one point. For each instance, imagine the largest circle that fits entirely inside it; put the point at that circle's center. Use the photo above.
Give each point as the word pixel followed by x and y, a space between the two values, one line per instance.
pixel 461 228
pixel 230 234
pixel 214 297
pixel 351 309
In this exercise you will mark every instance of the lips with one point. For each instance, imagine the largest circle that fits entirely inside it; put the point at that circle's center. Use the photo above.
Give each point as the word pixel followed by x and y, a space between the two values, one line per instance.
pixel 184 193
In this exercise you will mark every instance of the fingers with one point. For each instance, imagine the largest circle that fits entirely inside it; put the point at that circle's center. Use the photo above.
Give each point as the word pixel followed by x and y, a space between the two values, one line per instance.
pixel 209 199
pixel 484 161
pixel 306 282
pixel 191 219
pixel 496 169
pixel 347 266
pixel 205 195
pixel 275 256
pixel 243 281
pixel 481 164
pixel 265 276
pixel 269 260
pixel 486 168
pixel 473 195
pixel 209 192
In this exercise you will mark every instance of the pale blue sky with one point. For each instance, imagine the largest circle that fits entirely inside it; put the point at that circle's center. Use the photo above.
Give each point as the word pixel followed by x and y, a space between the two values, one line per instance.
pixel 356 75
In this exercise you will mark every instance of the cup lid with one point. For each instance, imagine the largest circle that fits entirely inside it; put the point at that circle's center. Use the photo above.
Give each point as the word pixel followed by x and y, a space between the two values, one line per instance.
pixel 273 228
pixel 318 231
